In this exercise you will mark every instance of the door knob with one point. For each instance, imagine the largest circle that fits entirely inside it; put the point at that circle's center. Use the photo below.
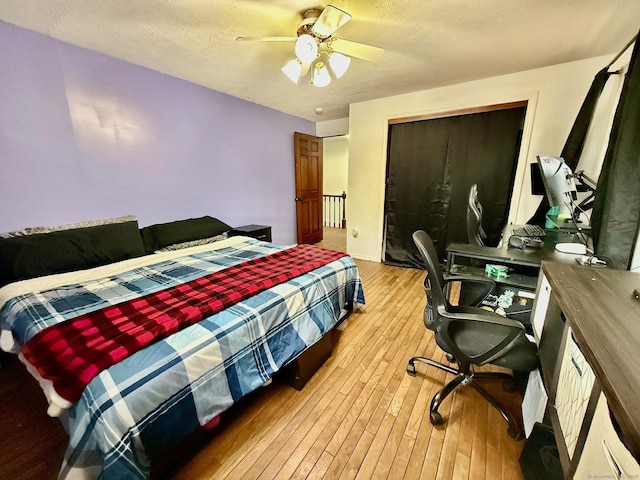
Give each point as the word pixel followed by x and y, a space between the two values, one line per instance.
pixel 299 199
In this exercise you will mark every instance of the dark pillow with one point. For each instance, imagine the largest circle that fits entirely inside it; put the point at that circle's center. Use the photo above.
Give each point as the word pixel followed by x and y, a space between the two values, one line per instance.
pixel 161 235
pixel 68 250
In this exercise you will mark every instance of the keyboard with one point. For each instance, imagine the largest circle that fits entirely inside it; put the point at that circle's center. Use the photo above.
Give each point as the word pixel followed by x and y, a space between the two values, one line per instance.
pixel 530 231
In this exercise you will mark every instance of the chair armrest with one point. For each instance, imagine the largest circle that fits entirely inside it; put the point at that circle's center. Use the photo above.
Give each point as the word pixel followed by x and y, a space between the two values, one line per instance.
pixel 482 286
pixel 469 278
pixel 480 315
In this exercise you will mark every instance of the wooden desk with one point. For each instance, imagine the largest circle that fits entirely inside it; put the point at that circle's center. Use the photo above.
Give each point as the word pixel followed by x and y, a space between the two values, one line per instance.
pixel 595 308
pixel 530 257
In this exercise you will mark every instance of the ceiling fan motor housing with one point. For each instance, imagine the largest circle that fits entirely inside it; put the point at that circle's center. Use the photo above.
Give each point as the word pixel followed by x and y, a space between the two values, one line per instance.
pixel 309 18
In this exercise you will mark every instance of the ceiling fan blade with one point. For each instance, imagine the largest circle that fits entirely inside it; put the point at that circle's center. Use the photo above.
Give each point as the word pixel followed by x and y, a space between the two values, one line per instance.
pixel 266 39
pixel 355 49
pixel 330 20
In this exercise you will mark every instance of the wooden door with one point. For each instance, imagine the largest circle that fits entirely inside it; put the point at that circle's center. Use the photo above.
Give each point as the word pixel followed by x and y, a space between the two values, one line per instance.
pixel 308 167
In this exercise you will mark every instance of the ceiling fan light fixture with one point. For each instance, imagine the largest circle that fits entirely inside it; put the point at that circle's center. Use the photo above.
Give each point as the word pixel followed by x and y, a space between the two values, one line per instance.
pixel 306 48
pixel 316 48
pixel 321 77
pixel 293 70
pixel 339 63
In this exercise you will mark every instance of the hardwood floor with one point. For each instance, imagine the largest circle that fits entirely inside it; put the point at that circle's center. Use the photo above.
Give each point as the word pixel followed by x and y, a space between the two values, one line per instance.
pixel 32 444
pixel 361 416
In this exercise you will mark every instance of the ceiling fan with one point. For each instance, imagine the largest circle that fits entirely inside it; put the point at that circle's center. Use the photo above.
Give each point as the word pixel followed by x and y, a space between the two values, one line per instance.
pixel 317 48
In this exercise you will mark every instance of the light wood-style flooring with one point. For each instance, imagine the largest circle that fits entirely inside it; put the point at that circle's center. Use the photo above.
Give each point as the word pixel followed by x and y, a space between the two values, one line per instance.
pixel 361 416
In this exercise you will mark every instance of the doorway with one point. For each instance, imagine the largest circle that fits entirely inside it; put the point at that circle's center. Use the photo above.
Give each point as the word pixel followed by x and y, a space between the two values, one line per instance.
pixel 431 165
pixel 321 169
pixel 308 176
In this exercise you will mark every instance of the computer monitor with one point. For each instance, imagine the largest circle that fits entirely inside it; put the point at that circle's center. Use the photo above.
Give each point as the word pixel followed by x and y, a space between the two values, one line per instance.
pixel 537 184
pixel 558 183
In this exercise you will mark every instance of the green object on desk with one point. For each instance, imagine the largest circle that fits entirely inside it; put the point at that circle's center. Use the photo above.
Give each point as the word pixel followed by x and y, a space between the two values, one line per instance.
pixel 498 271
pixel 553 211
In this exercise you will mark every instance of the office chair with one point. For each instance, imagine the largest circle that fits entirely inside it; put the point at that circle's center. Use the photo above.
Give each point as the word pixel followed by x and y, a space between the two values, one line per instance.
pixel 476 234
pixel 470 336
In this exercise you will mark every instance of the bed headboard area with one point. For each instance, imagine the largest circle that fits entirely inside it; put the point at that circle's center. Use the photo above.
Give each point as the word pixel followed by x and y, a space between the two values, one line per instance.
pixel 183 233
pixel 39 251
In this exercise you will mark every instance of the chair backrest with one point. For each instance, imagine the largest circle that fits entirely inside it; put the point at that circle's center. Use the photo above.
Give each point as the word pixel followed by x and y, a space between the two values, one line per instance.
pixel 434 281
pixel 484 328
pixel 474 218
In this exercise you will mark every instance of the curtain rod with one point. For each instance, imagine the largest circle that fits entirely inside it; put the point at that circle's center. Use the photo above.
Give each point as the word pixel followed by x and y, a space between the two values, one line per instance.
pixel 623 50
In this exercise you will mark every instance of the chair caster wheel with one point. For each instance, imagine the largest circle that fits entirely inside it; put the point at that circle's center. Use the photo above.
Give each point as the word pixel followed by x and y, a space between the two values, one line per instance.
pixel 509 386
pixel 435 418
pixel 451 358
pixel 411 369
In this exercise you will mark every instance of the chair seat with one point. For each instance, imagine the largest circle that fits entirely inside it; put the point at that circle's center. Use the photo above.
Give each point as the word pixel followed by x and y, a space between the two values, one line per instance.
pixel 475 340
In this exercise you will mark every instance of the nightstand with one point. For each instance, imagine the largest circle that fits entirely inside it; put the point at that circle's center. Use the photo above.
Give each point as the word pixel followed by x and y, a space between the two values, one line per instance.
pixel 259 232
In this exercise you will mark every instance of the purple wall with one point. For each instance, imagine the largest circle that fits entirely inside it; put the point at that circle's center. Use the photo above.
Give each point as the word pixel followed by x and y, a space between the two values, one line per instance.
pixel 85 136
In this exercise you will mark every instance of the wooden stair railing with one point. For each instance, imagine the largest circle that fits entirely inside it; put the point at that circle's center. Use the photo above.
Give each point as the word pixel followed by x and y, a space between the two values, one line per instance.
pixel 334 210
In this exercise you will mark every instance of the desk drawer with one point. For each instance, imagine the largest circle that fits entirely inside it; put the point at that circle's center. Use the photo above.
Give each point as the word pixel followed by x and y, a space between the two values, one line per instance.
pixel 259 232
pixel 604 454
pixel 573 392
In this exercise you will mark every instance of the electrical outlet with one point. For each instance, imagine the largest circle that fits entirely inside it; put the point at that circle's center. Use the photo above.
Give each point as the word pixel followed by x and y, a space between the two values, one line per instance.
pixel 354 233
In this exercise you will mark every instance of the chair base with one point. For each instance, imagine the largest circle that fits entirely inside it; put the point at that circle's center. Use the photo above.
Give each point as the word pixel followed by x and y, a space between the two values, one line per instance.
pixel 463 376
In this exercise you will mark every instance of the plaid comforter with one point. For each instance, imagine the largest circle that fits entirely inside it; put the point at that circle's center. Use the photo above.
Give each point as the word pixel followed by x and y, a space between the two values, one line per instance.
pixel 131 412
pixel 72 353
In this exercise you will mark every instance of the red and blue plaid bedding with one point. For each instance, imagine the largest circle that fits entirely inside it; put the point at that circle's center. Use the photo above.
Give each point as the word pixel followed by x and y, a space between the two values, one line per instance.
pixel 133 410
pixel 72 353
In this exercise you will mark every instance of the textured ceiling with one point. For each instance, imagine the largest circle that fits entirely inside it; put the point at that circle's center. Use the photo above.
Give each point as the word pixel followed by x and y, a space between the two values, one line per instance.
pixel 428 43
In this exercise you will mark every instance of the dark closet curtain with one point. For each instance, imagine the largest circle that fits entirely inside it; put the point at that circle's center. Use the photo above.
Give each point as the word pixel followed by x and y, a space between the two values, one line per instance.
pixel 575 141
pixel 616 211
pixel 430 169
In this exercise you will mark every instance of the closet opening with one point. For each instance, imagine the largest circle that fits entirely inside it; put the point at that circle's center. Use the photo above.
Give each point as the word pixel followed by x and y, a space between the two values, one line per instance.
pixel 433 161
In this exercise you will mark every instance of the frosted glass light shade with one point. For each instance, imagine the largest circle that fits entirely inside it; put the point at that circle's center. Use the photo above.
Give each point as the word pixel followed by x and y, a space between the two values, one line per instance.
pixel 339 63
pixel 306 48
pixel 293 69
pixel 321 77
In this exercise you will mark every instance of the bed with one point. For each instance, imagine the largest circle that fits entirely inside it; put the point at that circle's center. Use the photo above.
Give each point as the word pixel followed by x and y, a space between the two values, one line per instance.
pixel 131 412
